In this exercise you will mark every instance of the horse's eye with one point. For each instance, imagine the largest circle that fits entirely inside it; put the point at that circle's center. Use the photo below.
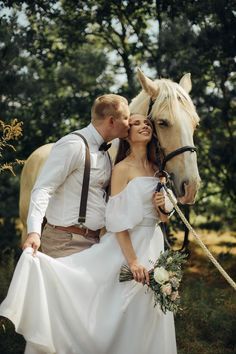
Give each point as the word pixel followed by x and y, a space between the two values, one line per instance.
pixel 163 122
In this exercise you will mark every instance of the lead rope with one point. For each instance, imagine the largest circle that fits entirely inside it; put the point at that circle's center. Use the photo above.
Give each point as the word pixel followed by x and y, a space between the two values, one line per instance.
pixel 199 241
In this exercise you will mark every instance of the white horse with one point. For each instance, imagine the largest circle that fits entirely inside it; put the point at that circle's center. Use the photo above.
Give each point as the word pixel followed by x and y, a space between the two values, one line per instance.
pixel 175 120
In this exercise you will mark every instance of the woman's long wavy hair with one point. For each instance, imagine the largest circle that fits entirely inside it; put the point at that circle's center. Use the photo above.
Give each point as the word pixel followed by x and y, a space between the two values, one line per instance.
pixel 152 155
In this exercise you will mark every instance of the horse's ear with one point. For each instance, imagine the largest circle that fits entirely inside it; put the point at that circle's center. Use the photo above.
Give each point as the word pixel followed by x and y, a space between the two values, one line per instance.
pixel 147 84
pixel 186 82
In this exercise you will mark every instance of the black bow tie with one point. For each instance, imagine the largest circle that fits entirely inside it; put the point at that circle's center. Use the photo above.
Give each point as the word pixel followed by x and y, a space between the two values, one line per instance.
pixel 104 146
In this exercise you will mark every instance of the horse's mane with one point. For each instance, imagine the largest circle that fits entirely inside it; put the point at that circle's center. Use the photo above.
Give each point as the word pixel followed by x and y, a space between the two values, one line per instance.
pixel 170 95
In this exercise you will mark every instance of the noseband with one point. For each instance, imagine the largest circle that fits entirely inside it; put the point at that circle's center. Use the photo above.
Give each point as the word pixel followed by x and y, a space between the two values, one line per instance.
pixel 174 153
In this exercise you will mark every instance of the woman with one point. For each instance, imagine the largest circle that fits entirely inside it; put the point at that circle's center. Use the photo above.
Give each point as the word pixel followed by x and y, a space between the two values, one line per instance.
pixel 76 304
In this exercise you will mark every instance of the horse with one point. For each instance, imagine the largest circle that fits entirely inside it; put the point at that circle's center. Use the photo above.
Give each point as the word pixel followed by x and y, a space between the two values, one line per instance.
pixel 175 119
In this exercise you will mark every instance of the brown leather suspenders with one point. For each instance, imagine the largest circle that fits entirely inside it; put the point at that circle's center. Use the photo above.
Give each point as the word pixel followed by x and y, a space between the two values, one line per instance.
pixel 85 184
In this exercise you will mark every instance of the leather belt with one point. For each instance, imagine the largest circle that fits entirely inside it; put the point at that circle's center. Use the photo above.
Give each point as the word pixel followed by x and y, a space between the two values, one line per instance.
pixel 78 230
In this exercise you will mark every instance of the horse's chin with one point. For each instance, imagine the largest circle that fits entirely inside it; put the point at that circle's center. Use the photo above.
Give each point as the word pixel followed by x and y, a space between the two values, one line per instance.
pixel 189 196
pixel 186 201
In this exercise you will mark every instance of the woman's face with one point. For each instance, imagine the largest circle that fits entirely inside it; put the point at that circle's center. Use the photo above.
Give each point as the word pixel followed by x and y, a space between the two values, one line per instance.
pixel 140 129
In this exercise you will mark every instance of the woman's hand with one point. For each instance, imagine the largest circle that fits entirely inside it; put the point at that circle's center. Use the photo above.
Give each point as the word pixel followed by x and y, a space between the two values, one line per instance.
pixel 158 200
pixel 139 272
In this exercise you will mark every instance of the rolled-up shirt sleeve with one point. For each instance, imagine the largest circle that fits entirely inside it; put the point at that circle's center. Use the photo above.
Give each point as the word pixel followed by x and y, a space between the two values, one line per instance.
pixel 67 155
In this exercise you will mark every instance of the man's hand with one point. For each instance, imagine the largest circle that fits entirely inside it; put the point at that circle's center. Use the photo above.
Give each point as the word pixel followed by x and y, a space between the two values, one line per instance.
pixel 33 240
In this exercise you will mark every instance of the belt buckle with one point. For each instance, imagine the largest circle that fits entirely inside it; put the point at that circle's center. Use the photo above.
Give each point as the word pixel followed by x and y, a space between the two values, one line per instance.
pixel 84 228
pixel 86 231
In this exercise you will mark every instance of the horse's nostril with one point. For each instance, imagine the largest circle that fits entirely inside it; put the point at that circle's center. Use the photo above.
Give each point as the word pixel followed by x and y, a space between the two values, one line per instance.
pixel 183 187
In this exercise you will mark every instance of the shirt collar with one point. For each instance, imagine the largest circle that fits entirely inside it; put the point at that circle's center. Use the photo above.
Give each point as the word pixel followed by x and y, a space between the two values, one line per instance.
pixel 97 138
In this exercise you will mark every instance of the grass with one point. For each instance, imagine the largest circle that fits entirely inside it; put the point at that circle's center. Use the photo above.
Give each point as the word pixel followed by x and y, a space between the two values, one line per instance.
pixel 207 323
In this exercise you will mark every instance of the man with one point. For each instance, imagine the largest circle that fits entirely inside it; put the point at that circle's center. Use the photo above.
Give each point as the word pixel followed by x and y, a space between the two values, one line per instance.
pixel 57 191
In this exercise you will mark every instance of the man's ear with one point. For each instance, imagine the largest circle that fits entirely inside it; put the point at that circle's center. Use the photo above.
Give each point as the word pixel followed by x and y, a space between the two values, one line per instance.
pixel 110 121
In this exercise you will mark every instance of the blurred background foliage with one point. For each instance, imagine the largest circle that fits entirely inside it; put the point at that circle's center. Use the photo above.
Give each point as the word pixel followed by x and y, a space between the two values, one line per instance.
pixel 57 56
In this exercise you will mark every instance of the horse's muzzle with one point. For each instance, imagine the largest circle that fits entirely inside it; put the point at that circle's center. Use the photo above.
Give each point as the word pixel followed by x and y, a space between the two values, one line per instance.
pixel 189 192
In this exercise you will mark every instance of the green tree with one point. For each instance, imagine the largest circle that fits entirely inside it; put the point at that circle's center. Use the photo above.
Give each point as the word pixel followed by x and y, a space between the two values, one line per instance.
pixel 63 54
pixel 49 83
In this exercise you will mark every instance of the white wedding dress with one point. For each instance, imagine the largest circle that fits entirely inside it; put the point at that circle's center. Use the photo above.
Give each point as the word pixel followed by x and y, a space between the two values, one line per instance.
pixel 76 304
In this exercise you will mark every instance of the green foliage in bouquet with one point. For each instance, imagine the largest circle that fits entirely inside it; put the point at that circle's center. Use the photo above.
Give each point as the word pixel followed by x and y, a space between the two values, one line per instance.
pixel 165 279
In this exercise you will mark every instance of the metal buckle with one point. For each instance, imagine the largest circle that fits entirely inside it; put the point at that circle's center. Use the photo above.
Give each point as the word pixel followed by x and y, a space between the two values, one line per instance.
pixel 84 228
pixel 162 173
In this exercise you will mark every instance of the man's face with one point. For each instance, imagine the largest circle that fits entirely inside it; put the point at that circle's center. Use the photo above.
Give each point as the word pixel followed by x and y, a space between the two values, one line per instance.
pixel 121 123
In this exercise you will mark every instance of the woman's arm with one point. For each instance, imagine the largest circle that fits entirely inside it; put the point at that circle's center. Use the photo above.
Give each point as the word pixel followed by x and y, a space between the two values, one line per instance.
pixel 140 273
pixel 119 180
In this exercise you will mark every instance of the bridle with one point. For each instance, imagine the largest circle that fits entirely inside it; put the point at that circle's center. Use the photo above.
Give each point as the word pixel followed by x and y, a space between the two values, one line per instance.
pixel 174 153
pixel 164 173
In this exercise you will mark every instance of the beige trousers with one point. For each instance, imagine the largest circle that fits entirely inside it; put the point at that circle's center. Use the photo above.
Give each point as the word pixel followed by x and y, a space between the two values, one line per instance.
pixel 57 243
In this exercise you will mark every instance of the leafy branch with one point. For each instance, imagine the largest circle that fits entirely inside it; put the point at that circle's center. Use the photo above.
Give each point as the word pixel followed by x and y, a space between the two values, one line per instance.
pixel 8 133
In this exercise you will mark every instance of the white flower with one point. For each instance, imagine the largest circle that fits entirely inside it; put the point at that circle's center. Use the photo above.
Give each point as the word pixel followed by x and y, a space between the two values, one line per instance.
pixel 169 260
pixel 174 295
pixel 175 282
pixel 161 275
pixel 166 289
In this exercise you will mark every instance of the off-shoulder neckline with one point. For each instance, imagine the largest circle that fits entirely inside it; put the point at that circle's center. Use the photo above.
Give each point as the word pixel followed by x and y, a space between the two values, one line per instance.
pixel 116 195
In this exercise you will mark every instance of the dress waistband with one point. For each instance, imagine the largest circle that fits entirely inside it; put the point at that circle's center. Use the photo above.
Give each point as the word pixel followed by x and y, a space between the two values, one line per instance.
pixel 148 222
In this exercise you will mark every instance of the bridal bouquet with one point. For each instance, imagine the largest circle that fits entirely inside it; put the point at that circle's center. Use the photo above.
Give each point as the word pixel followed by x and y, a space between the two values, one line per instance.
pixel 165 278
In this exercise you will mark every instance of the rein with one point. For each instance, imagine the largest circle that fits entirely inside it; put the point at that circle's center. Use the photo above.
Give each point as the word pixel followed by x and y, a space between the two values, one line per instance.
pixel 163 173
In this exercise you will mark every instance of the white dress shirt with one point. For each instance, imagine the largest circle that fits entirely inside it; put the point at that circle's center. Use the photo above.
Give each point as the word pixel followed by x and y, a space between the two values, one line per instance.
pixel 57 190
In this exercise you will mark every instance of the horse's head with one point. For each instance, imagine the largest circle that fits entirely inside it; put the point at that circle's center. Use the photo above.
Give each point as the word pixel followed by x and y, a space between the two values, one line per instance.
pixel 175 120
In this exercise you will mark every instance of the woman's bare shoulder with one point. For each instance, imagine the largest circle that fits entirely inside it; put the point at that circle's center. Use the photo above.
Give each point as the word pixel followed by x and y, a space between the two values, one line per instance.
pixel 120 177
pixel 120 167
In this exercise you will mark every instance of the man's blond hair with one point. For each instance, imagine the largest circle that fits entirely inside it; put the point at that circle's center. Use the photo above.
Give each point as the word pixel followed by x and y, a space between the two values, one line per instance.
pixel 107 105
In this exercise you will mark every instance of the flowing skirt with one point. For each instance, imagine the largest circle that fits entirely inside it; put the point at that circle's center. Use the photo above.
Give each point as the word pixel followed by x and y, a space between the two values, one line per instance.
pixel 76 304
